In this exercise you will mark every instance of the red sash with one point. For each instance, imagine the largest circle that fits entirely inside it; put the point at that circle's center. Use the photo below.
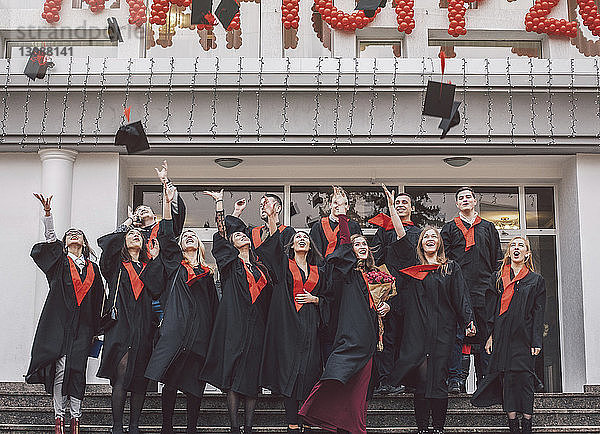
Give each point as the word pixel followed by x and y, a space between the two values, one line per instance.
pixel 256 234
pixel 330 234
pixel 509 286
pixel 371 302
pixel 299 286
pixel 254 286
pixel 419 271
pixel 153 236
pixel 81 288
pixel 192 277
pixel 384 221
pixel 469 234
pixel 136 283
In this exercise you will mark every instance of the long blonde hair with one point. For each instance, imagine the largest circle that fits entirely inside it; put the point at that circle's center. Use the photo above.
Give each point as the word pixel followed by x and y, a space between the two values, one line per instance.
pixel 440 254
pixel 506 260
pixel 200 253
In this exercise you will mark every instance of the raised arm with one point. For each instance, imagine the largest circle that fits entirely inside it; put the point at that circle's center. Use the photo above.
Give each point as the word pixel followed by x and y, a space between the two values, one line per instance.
pixel 47 255
pixel 48 221
pixel 396 221
pixel 219 213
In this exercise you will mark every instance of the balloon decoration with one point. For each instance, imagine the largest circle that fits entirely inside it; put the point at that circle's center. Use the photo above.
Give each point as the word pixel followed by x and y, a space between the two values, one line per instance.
pixel 159 11
pixel 405 15
pixel 235 23
pixel 183 3
pixel 589 12
pixel 51 11
pixel 456 18
pixel 137 12
pixel 289 14
pixel 341 20
pixel 536 19
pixel 96 5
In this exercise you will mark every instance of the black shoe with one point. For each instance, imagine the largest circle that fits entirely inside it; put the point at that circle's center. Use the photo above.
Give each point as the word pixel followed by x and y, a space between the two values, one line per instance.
pixel 383 389
pixel 397 390
pixel 526 426
pixel 513 426
pixel 454 387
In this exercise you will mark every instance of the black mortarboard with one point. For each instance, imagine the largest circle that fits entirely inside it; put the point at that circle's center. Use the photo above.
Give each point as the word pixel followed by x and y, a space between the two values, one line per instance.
pixel 438 99
pixel 37 65
pixel 317 200
pixel 133 137
pixel 369 6
pixel 114 32
pixel 294 209
pixel 200 9
pixel 452 121
pixel 226 11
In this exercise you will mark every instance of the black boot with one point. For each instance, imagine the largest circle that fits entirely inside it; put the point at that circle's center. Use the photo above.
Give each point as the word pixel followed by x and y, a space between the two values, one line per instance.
pixel 526 426
pixel 513 425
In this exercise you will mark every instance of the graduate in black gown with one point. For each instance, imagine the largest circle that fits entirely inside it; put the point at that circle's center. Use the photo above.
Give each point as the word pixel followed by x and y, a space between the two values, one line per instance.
pixel 436 299
pixel 128 342
pixel 236 345
pixel 381 245
pixel 292 362
pixel 69 319
pixel 338 402
pixel 517 329
pixel 259 234
pixel 185 283
pixel 474 243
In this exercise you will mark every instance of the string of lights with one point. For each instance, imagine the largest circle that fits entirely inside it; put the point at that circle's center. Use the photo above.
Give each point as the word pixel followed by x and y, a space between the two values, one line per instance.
pixel 353 101
pixel 511 114
pixel 533 100
pixel 127 85
pixel 238 109
pixel 26 114
pixel 572 98
pixel 597 67
pixel 42 136
pixel 149 94
pixel 65 103
pixel 421 130
pixel 5 100
pixel 465 119
pixel 317 94
pixel 84 98
pixel 550 110
pixel 373 97
pixel 284 98
pixel 336 111
pixel 260 82
pixel 394 99
pixel 489 100
pixel 100 101
pixel 213 105
pixel 167 129
pixel 192 99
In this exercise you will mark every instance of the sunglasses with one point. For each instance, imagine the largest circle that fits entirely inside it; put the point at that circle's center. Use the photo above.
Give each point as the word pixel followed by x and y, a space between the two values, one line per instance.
pixel 72 232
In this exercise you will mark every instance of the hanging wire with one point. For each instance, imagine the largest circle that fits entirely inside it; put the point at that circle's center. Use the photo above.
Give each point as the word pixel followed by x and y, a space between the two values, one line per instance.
pixel 550 111
pixel 84 100
pixel 26 114
pixel 533 100
pixel 213 105
pixel 42 136
pixel 65 103
pixel 238 109
pixel 193 100
pixel 167 129
pixel 353 101
pixel 572 98
pixel 127 85
pixel 284 98
pixel 511 113
pixel 489 100
pixel 148 94
pixel 421 130
pixel 260 82
pixel 373 97
pixel 394 98
pixel 316 124
pixel 336 112
pixel 5 100
pixel 597 67
pixel 464 103
pixel 100 101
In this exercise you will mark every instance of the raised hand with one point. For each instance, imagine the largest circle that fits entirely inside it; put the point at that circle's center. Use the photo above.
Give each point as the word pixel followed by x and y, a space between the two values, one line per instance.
pixel 162 173
pixel 239 207
pixel 390 196
pixel 339 201
pixel 154 248
pixel 46 202
pixel 170 193
pixel 216 195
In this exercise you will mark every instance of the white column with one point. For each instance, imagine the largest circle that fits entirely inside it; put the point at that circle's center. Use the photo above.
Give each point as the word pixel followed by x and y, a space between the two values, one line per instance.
pixel 57 180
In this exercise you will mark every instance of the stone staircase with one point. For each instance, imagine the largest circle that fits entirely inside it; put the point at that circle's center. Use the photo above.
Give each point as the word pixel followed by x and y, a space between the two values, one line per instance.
pixel 25 408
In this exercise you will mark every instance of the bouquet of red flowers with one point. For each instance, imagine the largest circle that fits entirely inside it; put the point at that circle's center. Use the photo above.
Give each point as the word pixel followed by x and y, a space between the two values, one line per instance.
pixel 382 288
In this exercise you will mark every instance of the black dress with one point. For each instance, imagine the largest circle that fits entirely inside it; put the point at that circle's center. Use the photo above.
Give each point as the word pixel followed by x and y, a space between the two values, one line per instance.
pixel 510 379
pixel 433 307
pixel 133 331
pixel 66 327
pixel 189 314
pixel 236 344
pixel 292 358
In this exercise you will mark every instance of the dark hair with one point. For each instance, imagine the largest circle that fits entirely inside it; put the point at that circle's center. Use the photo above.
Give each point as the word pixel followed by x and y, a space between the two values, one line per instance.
pixel 253 258
pixel 405 194
pixel 463 189
pixel 368 264
pixel 274 196
pixel 313 256
pixel 125 256
pixel 86 251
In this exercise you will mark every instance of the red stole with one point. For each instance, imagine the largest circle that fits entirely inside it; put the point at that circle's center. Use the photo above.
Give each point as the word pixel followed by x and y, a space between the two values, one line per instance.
pixel 256 234
pixel 469 234
pixel 330 234
pixel 192 277
pixel 299 285
pixel 254 286
pixel 81 288
pixel 153 236
pixel 136 283
pixel 371 302
pixel 509 285
pixel 419 271
pixel 384 221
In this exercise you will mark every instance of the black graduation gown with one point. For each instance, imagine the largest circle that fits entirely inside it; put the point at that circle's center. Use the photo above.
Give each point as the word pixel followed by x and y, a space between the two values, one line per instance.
pixel 291 357
pixel 357 330
pixel 320 240
pixel 514 333
pixel 64 328
pixel 176 223
pixel 189 313
pixel 236 344
pixel 432 308
pixel 235 224
pixel 133 331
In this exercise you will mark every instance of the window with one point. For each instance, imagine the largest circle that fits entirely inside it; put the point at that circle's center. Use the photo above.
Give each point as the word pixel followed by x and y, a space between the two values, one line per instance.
pixel 539 207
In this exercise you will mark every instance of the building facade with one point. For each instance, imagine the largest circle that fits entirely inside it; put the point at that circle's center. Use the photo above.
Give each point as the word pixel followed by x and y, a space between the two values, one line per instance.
pixel 304 109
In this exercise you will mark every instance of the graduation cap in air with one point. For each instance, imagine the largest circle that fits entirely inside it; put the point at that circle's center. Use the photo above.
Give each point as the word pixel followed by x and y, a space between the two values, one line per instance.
pixel 37 65
pixel 452 121
pixel 133 137
pixel 294 209
pixel 226 11
pixel 370 6
pixel 114 32
pixel 201 9
pixel 383 221
pixel 439 99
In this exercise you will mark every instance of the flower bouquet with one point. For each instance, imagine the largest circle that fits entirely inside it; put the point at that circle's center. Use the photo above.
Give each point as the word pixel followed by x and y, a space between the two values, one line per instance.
pixel 382 287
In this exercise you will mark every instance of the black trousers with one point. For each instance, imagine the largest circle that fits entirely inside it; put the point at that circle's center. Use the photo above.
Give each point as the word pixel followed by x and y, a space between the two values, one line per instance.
pixel 393 326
